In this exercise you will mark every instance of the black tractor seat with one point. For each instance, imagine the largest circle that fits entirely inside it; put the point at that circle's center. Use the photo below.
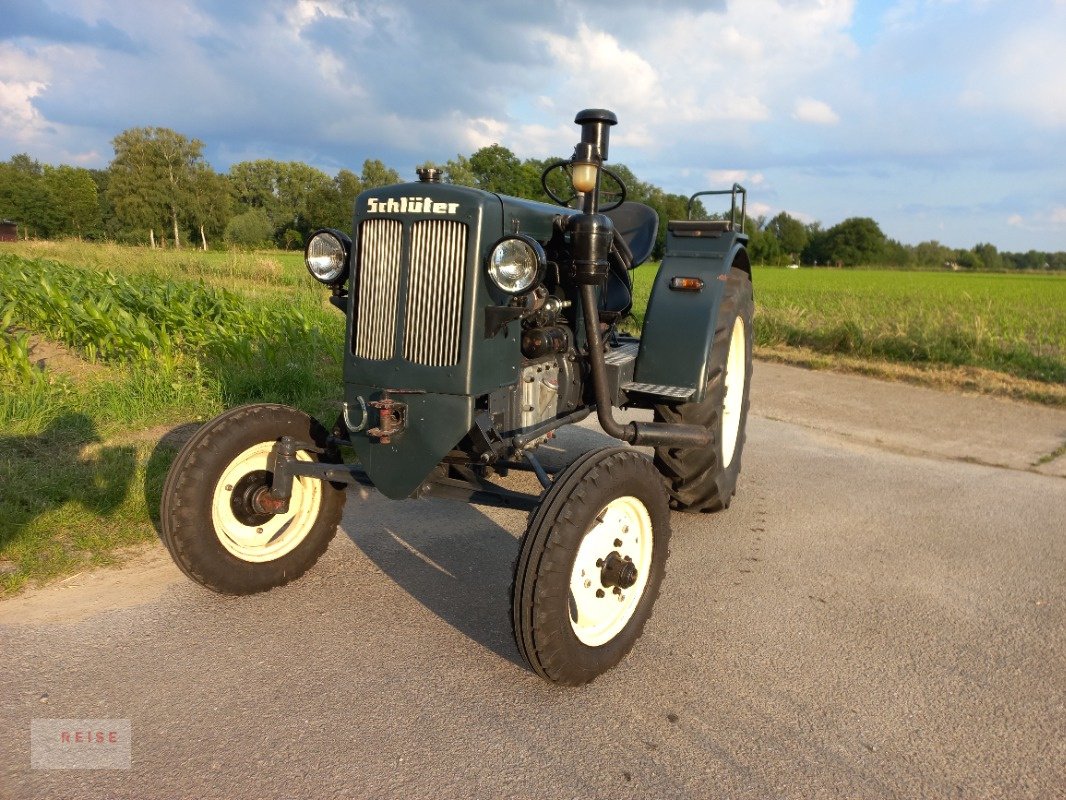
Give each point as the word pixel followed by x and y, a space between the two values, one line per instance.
pixel 636 226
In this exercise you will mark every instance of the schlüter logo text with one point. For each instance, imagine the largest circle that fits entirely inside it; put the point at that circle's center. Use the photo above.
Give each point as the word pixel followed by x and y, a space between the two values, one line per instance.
pixel 409 205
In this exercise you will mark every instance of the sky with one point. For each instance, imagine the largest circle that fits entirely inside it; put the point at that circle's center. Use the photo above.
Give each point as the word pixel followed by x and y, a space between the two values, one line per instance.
pixel 941 119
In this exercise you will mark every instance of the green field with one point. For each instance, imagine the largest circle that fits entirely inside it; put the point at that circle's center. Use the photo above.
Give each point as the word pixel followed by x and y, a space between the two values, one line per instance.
pixel 1012 325
pixel 106 348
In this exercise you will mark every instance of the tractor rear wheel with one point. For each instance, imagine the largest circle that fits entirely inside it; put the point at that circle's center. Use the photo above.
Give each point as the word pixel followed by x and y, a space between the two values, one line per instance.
pixel 702 479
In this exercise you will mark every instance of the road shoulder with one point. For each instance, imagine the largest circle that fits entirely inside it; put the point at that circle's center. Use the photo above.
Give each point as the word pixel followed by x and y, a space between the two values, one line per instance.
pixel 914 420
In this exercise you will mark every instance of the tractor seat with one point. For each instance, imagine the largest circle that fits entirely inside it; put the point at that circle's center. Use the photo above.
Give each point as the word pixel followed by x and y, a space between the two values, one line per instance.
pixel 638 225
pixel 635 228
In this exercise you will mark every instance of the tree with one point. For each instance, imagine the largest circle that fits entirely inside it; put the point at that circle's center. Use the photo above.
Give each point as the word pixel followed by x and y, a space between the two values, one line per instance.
pixel 763 245
pixel 791 234
pixel 932 254
pixel 153 176
pixel 253 184
pixel 75 207
pixel 496 169
pixel 898 255
pixel 346 187
pixel 989 256
pixel 250 229
pixel 290 193
pixel 376 174
pixel 857 240
pixel 211 204
pixel 22 196
pixel 458 171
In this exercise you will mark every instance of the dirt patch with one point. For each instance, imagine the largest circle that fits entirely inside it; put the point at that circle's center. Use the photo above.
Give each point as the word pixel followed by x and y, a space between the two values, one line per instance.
pixel 145 574
pixel 51 356
pixel 965 379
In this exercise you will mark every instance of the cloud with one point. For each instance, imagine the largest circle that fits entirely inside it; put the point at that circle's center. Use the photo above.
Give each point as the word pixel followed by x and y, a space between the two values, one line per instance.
pixel 727 177
pixel 831 106
pixel 807 109
pixel 35 19
pixel 1023 73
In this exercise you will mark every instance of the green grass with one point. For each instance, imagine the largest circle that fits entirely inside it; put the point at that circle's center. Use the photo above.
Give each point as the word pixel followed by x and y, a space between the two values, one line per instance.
pixel 155 338
pixel 1010 324
pixel 150 349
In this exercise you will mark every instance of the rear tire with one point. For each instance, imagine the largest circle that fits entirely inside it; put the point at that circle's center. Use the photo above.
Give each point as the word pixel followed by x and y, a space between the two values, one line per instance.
pixel 208 524
pixel 704 479
pixel 590 567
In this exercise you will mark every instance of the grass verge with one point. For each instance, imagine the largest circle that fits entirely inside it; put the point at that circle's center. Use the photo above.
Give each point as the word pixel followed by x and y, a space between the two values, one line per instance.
pixel 105 348
pixel 126 353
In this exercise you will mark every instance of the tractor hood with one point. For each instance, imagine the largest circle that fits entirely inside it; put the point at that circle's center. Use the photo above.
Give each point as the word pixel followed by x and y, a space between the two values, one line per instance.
pixel 418 332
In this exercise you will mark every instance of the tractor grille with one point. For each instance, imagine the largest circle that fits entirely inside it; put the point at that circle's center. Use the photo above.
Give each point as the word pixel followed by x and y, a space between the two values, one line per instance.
pixel 435 293
pixel 379 285
pixel 436 252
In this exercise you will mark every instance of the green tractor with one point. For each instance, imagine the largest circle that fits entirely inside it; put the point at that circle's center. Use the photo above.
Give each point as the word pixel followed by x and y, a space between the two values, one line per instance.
pixel 476 326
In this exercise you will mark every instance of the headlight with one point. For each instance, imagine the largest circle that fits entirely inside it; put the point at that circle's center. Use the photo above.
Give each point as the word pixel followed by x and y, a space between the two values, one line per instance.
pixel 326 256
pixel 516 263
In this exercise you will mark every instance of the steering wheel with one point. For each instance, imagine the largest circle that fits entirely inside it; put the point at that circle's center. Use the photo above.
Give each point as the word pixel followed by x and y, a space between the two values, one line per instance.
pixel 567 168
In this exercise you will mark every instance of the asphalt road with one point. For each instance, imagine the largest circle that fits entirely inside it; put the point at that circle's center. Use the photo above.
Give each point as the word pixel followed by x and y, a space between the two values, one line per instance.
pixel 878 615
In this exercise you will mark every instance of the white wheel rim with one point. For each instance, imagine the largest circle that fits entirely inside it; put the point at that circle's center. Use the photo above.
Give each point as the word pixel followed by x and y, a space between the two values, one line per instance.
pixel 598 613
pixel 278 535
pixel 735 377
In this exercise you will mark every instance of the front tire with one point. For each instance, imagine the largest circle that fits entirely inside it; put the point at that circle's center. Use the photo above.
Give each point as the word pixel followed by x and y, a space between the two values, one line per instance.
pixel 703 479
pixel 590 567
pixel 209 524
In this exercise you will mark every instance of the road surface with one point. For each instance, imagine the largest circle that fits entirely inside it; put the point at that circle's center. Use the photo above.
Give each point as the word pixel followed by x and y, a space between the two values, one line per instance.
pixel 880 614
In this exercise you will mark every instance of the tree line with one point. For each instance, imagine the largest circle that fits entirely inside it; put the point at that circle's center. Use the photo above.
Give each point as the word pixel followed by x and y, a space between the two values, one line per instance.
pixel 159 190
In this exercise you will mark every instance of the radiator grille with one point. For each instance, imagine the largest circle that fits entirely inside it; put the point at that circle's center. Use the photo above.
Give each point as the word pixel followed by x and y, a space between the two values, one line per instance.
pixel 379 286
pixel 435 256
pixel 435 293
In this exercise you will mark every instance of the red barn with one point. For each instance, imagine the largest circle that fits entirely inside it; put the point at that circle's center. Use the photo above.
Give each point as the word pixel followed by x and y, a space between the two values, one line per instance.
pixel 9 231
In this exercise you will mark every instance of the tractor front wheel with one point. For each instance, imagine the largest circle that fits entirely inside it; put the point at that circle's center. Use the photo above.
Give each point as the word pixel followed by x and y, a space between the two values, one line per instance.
pixel 590 567
pixel 213 526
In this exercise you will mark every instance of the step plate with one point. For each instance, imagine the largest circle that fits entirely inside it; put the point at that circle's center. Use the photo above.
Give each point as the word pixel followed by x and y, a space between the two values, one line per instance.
pixel 620 355
pixel 673 392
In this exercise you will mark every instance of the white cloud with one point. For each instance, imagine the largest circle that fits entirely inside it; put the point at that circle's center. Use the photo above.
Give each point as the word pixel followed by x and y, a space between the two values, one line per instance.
pixel 727 177
pixel 594 60
pixel 1058 215
pixel 1024 74
pixel 1016 220
pixel 816 112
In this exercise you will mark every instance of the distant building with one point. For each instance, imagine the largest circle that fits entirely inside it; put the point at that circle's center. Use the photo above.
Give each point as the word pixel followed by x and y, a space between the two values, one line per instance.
pixel 9 231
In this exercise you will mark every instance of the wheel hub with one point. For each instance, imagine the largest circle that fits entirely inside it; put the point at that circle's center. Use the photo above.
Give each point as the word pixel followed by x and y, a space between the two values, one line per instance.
pixel 618 571
pixel 243 498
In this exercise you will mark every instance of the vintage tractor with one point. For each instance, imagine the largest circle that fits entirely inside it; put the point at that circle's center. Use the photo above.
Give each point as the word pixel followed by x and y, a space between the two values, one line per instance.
pixel 476 326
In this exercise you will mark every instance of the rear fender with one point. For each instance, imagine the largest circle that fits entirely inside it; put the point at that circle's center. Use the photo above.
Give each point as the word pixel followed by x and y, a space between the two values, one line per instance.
pixel 679 326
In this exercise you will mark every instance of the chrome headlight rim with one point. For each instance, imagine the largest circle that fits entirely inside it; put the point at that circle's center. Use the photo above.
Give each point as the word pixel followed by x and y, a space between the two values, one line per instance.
pixel 534 276
pixel 333 274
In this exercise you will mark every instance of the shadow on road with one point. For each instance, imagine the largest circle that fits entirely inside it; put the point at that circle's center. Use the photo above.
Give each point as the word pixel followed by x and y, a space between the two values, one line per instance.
pixel 455 559
pixel 451 558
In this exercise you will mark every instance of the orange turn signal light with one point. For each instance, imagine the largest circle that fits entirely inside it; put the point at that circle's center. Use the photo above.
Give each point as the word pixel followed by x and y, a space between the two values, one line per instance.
pixel 686 284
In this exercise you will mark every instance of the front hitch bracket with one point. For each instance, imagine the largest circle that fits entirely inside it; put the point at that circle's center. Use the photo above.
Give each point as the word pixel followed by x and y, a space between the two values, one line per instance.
pixel 392 419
